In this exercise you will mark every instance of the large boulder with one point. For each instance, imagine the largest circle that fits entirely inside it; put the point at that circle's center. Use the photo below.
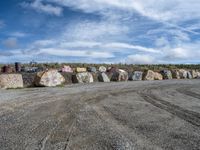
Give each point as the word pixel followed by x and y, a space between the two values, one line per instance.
pixel 149 75
pixel 103 77
pixel 136 76
pixel 194 73
pixel 167 74
pixel 189 75
pixel 92 69
pixel 198 75
pixel 175 74
pixel 183 74
pixel 49 78
pixel 102 69
pixel 83 77
pixel 78 69
pixel 67 69
pixel 158 76
pixel 11 81
pixel 28 79
pixel 118 75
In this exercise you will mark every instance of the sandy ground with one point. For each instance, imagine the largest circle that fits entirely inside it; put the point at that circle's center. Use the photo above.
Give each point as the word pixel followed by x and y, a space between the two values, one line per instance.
pixel 147 115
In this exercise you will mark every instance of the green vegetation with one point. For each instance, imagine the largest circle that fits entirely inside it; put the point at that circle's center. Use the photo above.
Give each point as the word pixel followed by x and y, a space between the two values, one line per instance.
pixel 129 67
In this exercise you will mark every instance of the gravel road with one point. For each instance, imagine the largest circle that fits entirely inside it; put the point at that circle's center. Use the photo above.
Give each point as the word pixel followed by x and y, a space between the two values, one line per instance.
pixel 147 115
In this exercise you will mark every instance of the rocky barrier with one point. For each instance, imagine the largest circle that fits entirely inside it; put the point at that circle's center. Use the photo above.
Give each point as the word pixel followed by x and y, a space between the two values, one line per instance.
pixel 52 77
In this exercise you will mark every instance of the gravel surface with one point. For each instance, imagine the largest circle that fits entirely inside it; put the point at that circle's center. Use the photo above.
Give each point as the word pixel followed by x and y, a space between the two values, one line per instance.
pixel 147 115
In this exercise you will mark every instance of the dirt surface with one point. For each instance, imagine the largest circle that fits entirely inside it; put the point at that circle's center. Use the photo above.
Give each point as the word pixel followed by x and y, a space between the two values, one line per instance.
pixel 147 115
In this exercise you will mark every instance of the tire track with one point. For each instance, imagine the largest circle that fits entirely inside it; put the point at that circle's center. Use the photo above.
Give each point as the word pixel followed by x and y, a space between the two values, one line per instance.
pixel 187 115
pixel 189 93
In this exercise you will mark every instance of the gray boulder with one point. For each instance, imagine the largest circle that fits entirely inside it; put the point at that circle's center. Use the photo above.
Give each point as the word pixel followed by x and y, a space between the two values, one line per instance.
pixel 102 77
pixel 119 75
pixel 189 75
pixel 167 74
pixel 198 75
pixel 183 74
pixel 136 76
pixel 83 77
pixel 194 73
pixel 92 69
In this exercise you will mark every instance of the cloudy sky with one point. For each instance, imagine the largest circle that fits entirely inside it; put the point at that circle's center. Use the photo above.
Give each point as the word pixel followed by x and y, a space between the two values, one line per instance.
pixel 100 31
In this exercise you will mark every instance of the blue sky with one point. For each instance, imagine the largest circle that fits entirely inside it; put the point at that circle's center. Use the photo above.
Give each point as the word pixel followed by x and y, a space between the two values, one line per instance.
pixel 100 31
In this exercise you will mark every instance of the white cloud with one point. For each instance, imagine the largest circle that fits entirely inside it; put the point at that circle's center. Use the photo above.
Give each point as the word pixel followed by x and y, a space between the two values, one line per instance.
pixel 170 10
pixel 76 53
pixel 39 6
pixel 43 43
pixel 18 34
pixel 10 42
pixel 178 53
pixel 129 46
pixel 112 47
pixel 78 44
pixel 141 59
pixel 93 30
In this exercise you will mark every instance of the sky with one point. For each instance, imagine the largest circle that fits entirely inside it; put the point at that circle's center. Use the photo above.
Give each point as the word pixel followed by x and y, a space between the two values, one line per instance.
pixel 100 31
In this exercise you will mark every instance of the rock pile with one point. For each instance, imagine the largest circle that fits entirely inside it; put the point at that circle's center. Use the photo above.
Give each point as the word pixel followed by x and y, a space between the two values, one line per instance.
pixel 89 75
pixel 11 81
